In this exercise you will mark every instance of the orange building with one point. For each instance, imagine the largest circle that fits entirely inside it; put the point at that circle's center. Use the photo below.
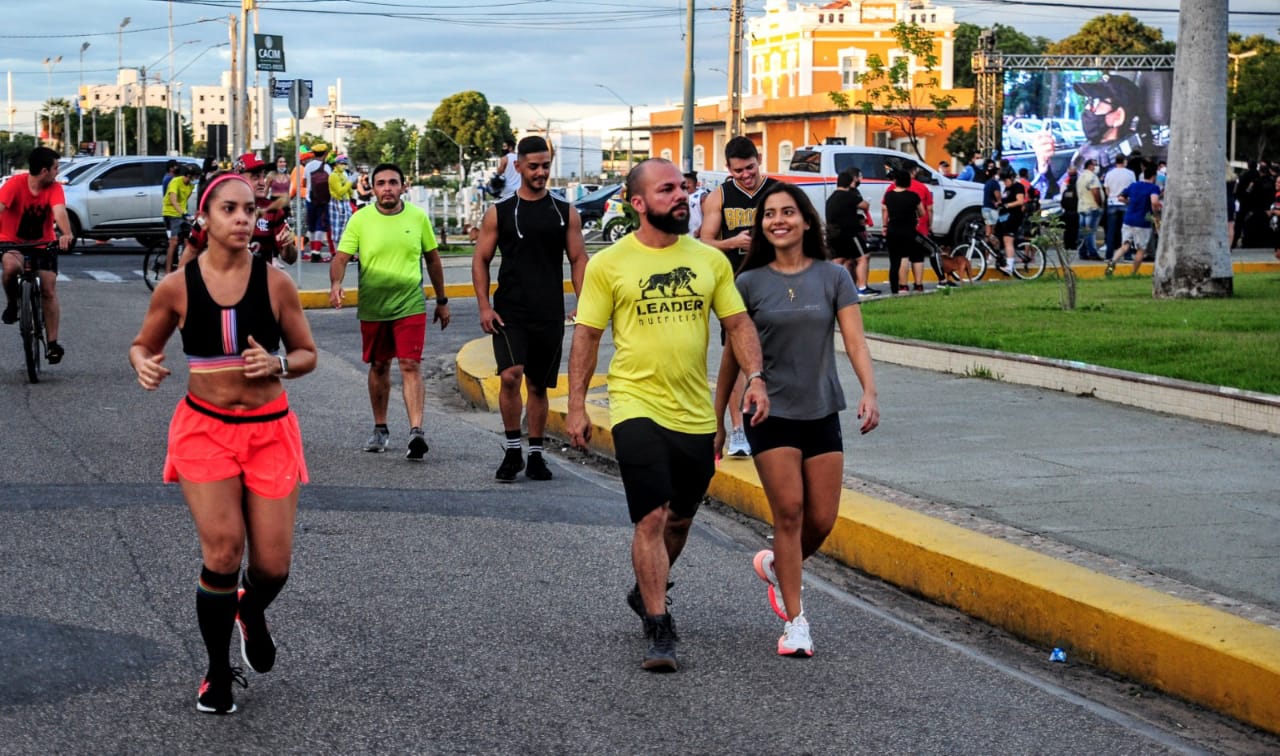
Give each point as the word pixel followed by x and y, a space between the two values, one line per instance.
pixel 795 57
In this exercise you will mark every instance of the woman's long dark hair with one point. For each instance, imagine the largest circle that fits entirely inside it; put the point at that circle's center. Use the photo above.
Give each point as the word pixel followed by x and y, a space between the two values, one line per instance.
pixel 814 244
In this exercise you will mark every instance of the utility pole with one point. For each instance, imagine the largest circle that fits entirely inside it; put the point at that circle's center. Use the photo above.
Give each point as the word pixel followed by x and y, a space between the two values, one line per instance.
pixel 79 92
pixel 142 113
pixel 233 123
pixel 246 109
pixel 119 147
pixel 686 134
pixel 734 126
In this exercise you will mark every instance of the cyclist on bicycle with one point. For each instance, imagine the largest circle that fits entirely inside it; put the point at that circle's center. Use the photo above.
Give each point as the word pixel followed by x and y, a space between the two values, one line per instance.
pixel 1012 206
pixel 176 195
pixel 30 203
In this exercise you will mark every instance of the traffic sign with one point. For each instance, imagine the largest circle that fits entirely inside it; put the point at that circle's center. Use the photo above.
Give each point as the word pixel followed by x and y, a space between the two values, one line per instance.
pixel 269 51
pixel 299 98
pixel 343 121
pixel 280 88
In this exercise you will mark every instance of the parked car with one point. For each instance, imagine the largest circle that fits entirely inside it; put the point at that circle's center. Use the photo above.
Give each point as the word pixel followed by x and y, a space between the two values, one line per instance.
pixel 616 222
pixel 119 197
pixel 591 207
pixel 1066 132
pixel 1018 135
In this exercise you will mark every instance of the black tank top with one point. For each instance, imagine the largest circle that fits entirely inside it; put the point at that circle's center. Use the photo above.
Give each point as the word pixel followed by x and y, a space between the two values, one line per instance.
pixel 532 238
pixel 738 212
pixel 213 336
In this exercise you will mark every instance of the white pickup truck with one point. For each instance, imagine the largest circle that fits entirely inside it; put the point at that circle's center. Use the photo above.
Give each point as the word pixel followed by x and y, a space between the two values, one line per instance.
pixel 814 168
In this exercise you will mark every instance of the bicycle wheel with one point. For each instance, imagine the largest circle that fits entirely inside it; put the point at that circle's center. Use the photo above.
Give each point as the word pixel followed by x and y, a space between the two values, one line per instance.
pixel 977 259
pixel 32 328
pixel 153 266
pixel 1028 261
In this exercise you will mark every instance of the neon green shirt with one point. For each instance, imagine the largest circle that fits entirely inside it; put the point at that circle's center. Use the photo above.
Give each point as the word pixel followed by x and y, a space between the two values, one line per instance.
pixel 182 188
pixel 660 302
pixel 390 249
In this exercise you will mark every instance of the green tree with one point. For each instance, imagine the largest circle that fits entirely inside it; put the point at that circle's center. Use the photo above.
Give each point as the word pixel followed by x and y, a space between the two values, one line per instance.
pixel 963 142
pixel 1254 99
pixel 15 149
pixel 1008 40
pixel 364 144
pixel 53 114
pixel 466 120
pixel 893 93
pixel 1112 34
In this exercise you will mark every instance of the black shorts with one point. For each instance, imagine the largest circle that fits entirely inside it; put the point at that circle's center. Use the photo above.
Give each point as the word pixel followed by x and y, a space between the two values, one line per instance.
pixel 661 466
pixel 811 437
pixel 535 346
pixel 906 244
pixel 847 248
pixel 41 259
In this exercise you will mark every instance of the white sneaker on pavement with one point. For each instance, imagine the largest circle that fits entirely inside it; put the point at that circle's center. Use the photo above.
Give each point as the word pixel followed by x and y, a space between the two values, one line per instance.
pixel 738 446
pixel 795 640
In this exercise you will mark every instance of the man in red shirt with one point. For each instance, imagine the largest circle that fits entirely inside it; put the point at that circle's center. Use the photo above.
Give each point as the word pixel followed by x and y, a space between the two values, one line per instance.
pixel 29 205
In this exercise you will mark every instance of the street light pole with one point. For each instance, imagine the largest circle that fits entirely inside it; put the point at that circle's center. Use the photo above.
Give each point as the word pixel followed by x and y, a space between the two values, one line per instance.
pixel 79 92
pixel 49 63
pixel 631 134
pixel 119 147
pixel 1235 81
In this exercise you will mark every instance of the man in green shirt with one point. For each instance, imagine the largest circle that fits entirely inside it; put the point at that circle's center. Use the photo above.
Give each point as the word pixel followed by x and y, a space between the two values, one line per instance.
pixel 176 195
pixel 391 240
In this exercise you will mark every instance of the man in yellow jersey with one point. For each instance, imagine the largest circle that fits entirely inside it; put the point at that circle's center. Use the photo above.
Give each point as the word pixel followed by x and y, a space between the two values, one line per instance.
pixel 727 215
pixel 176 194
pixel 391 239
pixel 659 287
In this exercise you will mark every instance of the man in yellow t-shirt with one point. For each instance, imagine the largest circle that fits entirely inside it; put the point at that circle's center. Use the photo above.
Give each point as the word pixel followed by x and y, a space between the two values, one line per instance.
pixel 659 288
pixel 174 210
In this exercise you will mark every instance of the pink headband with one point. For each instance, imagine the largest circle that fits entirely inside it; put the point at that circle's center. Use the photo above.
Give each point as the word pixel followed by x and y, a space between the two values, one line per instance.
pixel 209 189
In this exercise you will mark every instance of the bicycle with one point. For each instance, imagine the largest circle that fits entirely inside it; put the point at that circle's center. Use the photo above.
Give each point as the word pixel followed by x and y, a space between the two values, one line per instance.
pixel 31 306
pixel 153 260
pixel 1028 259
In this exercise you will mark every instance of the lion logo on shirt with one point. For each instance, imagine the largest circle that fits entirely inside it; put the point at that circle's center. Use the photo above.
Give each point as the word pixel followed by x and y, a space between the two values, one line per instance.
pixel 669 284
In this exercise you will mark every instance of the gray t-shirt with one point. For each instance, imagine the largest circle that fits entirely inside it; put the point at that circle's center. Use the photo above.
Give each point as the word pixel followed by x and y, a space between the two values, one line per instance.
pixel 796 317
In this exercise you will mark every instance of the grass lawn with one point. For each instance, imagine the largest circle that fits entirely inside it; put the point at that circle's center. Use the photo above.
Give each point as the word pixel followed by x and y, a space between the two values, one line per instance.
pixel 1228 342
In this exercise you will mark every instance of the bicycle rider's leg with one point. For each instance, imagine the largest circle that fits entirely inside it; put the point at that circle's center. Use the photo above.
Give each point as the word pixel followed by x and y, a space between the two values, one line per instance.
pixel 12 265
pixel 49 297
pixel 173 247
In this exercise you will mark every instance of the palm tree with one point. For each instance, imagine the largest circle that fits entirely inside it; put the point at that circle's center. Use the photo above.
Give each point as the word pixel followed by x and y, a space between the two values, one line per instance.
pixel 54 113
pixel 1194 259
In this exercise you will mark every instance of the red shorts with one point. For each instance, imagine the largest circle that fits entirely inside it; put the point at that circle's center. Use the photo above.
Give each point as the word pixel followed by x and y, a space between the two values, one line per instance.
pixel 263 445
pixel 402 339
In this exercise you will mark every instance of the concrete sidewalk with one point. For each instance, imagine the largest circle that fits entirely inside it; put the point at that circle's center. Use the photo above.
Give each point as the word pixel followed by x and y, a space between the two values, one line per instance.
pixel 1072 522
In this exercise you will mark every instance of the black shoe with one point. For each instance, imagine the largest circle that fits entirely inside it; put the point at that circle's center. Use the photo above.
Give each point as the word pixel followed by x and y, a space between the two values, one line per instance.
pixel 54 353
pixel 256 645
pixel 512 463
pixel 417 446
pixel 537 468
pixel 215 692
pixel 10 315
pixel 636 602
pixel 661 656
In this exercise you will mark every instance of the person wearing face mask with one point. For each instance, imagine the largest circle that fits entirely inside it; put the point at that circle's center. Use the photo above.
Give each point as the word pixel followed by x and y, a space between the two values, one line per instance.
pixel 1114 120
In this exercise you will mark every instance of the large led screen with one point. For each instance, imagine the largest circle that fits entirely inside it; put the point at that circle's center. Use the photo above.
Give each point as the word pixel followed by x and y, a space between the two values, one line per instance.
pixel 1053 119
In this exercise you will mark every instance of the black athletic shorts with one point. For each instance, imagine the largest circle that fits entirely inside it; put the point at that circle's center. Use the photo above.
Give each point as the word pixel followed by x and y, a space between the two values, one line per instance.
pixel 41 259
pixel 659 465
pixel 536 346
pixel 811 437
pixel 847 247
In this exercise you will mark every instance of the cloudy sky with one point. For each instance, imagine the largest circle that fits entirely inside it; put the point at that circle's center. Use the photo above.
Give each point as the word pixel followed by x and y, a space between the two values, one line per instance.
pixel 397 58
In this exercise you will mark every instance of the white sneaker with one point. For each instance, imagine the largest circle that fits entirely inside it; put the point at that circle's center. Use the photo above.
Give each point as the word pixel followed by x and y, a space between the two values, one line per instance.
pixel 738 446
pixel 795 640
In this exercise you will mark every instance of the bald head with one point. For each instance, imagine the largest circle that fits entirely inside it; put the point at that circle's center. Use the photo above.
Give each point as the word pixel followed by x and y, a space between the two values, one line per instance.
pixel 642 174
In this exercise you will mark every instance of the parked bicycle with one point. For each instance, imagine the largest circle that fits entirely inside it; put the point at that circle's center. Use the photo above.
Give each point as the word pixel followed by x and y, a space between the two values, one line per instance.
pixel 153 260
pixel 31 305
pixel 1028 259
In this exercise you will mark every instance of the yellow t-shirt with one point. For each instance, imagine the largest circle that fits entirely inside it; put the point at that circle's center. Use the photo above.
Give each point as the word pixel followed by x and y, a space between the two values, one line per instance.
pixel 660 302
pixel 181 188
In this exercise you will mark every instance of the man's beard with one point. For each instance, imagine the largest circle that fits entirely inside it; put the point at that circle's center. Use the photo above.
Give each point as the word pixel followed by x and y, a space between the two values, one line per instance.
pixel 668 223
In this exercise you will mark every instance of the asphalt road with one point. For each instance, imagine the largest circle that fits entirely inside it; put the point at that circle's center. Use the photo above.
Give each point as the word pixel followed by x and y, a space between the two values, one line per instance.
pixel 433 610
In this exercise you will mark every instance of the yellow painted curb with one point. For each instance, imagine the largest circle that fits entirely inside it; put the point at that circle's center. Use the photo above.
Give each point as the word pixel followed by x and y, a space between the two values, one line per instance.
pixel 478 381
pixel 1191 651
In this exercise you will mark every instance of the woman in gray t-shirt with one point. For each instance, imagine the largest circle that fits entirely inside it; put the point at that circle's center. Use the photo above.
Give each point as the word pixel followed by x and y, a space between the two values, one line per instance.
pixel 796 298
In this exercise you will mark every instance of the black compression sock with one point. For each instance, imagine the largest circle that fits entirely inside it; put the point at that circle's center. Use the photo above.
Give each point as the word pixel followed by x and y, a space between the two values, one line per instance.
pixel 216 606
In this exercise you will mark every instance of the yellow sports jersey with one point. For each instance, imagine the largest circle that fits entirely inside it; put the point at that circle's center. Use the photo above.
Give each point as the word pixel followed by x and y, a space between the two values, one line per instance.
pixel 660 302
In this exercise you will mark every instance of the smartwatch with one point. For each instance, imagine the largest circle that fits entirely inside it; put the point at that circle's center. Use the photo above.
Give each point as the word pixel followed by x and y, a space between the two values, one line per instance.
pixel 442 301
pixel 284 364
pixel 752 377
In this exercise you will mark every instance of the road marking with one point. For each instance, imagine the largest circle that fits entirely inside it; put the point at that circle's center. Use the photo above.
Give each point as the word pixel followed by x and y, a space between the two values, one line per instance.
pixel 63 277
pixel 105 276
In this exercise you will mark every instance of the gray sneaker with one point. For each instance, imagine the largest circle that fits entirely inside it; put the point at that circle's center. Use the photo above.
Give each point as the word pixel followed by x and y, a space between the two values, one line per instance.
pixel 738 446
pixel 378 442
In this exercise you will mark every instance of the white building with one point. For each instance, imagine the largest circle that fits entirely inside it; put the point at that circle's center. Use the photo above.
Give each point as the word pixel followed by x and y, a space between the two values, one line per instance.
pixel 126 92
pixel 211 105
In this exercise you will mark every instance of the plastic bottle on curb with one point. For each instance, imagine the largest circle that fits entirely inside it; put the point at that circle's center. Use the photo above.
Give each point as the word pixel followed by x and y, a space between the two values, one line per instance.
pixel 1058 655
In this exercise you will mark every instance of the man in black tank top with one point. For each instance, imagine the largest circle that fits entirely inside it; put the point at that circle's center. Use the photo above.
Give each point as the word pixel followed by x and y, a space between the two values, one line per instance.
pixel 727 215
pixel 534 231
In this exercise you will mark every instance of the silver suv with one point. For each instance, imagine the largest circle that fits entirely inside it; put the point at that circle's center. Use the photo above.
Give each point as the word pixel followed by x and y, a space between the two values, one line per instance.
pixel 113 198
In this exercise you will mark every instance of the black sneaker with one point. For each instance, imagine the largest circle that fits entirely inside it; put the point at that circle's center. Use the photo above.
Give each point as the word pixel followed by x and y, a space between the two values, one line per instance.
pixel 417 446
pixel 54 353
pixel 512 463
pixel 661 656
pixel 537 468
pixel 636 602
pixel 10 315
pixel 215 692
pixel 256 645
